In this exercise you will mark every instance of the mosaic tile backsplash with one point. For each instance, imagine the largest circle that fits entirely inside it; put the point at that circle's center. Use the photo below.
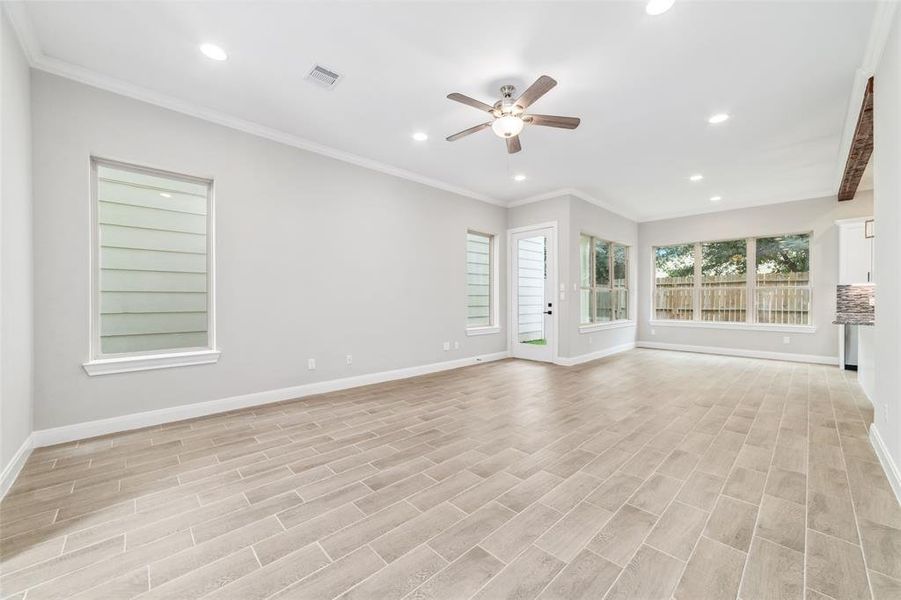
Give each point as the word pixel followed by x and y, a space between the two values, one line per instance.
pixel 853 306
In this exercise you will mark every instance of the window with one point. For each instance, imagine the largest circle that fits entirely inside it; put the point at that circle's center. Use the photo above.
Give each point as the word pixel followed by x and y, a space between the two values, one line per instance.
pixel 674 293
pixel 480 292
pixel 604 290
pixel 152 283
pixel 762 281
pixel 724 281
pixel 783 280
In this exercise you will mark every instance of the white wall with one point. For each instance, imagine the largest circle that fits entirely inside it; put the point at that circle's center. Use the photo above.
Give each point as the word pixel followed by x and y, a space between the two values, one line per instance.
pixel 315 258
pixel 575 216
pixel 817 215
pixel 887 187
pixel 15 249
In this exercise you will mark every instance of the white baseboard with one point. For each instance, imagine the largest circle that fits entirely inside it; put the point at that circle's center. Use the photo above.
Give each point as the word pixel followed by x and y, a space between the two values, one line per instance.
pixel 885 458
pixel 804 358
pixel 11 471
pixel 79 431
pixel 569 361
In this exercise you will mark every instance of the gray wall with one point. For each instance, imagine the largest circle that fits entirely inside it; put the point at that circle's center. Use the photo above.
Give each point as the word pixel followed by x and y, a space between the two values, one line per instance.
pixel 817 215
pixel 887 186
pixel 16 249
pixel 315 258
pixel 575 216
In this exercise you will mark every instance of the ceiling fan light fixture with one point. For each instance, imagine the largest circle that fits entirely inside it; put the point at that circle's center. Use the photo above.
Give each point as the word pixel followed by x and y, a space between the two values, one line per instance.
pixel 507 126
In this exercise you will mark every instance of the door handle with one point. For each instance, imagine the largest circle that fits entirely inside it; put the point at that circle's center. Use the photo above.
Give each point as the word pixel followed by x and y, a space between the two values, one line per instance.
pixel 548 312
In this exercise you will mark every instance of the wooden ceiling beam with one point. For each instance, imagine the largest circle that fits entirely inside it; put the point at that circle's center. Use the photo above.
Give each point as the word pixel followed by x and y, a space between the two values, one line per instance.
pixel 861 147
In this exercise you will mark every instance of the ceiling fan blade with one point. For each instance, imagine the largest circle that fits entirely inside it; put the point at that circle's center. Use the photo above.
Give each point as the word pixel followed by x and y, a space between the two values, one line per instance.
pixel 513 145
pixel 471 130
pixel 538 89
pixel 470 102
pixel 553 121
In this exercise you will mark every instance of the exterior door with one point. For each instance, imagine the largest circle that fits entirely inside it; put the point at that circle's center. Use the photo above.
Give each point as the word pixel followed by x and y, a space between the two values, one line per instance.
pixel 534 301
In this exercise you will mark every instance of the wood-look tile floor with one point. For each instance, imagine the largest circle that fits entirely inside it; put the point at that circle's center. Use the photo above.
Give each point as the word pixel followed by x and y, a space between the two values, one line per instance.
pixel 649 474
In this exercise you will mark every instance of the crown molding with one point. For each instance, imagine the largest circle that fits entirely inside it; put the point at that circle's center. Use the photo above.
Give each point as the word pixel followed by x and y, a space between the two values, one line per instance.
pixel 881 27
pixel 21 23
pixel 578 194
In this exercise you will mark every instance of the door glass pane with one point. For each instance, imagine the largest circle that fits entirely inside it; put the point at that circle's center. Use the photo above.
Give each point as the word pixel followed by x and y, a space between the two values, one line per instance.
pixel 530 290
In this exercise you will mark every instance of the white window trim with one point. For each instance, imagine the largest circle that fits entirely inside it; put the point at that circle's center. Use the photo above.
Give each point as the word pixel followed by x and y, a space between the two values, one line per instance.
pixel 484 330
pixel 147 362
pixel 493 306
pixel 100 364
pixel 591 327
pixel 750 258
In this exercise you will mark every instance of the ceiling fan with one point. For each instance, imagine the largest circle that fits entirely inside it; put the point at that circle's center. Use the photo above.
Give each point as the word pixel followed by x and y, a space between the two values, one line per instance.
pixel 509 115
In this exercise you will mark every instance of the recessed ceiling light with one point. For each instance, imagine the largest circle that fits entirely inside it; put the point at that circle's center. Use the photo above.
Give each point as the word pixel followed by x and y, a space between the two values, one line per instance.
pixel 213 51
pixel 718 118
pixel 716 198
pixel 697 177
pixel 658 7
pixel 165 195
pixel 419 136
pixel 519 177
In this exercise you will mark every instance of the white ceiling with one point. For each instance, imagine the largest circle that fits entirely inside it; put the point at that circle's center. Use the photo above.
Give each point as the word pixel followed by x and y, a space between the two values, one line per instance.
pixel 643 86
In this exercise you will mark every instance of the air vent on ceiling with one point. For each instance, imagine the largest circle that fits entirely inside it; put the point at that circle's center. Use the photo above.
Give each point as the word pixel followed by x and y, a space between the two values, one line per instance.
pixel 323 77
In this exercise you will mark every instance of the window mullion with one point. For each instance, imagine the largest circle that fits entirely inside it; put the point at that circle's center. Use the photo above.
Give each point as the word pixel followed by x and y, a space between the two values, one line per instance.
pixel 592 282
pixel 696 292
pixel 751 269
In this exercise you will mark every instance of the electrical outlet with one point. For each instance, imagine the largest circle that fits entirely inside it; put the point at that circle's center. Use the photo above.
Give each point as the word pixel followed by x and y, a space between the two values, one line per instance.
pixel 653 332
pixel 446 346
pixel 311 364
pixel 456 345
pixel 590 340
pixel 786 340
pixel 350 359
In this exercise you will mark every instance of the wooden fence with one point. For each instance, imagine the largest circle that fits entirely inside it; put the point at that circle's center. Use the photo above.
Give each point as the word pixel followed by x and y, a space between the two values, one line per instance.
pixel 781 298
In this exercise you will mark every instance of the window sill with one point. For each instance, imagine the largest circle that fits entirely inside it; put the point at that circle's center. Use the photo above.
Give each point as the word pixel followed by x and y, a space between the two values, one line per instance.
pixel 127 364
pixel 591 327
pixel 483 330
pixel 737 326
